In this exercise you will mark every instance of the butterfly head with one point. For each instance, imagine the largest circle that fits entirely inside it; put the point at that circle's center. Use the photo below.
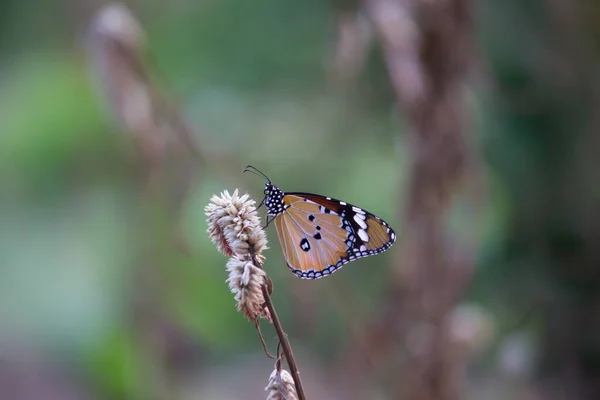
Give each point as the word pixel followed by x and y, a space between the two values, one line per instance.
pixel 273 195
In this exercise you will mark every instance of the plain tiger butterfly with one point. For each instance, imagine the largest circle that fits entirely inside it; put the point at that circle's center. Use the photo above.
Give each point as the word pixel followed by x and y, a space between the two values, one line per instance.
pixel 320 234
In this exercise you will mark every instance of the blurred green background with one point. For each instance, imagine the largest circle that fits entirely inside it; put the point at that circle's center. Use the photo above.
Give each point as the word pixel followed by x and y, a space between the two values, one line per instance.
pixel 253 76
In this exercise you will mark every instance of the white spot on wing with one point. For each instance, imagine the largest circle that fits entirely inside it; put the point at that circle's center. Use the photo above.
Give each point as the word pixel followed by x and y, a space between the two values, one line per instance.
pixel 363 248
pixel 361 222
pixel 363 235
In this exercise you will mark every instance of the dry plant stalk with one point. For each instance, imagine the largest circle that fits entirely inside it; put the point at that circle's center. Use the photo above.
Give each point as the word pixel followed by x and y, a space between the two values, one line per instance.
pixel 234 226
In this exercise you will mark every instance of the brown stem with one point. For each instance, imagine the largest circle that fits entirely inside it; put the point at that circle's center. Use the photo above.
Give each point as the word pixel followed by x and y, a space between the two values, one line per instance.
pixel 267 289
pixel 285 344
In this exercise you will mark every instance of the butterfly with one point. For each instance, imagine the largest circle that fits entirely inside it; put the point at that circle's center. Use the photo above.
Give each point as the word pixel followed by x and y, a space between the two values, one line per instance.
pixel 319 234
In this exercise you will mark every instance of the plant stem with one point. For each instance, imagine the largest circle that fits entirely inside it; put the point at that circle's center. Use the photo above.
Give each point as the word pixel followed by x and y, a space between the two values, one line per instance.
pixel 285 345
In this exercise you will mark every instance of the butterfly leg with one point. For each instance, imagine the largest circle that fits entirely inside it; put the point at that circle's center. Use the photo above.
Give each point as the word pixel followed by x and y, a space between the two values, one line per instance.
pixel 268 221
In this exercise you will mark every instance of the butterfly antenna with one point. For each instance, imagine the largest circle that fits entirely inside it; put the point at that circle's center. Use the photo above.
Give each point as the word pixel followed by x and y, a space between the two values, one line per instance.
pixel 255 171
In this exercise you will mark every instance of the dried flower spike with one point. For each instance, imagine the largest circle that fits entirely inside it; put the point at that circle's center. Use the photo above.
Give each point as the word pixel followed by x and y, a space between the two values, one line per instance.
pixel 245 281
pixel 281 386
pixel 234 226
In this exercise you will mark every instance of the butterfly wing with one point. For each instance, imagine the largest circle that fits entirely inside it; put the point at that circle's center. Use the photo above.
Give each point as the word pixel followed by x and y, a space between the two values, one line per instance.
pixel 319 234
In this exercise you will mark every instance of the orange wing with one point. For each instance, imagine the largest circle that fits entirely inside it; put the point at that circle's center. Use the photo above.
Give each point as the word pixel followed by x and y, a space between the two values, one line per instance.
pixel 380 236
pixel 319 235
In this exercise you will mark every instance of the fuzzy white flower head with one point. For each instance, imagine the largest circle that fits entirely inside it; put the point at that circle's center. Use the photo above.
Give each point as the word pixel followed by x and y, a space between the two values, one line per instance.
pixel 281 386
pixel 234 226
pixel 245 281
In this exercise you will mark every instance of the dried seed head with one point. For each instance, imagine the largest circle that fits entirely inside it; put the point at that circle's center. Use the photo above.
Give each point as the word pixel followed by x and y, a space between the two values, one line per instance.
pixel 281 386
pixel 234 226
pixel 245 281
pixel 215 231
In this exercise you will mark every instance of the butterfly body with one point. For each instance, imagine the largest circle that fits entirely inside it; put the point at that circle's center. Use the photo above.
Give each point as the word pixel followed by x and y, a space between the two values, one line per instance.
pixel 320 234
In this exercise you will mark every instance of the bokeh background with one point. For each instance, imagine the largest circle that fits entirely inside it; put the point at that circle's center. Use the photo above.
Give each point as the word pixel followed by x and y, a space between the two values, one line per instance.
pixel 472 127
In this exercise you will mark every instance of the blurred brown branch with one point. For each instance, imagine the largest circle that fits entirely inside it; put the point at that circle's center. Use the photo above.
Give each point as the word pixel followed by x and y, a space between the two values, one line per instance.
pixel 428 50
pixel 167 157
pixel 428 61
pixel 350 44
pixel 166 146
